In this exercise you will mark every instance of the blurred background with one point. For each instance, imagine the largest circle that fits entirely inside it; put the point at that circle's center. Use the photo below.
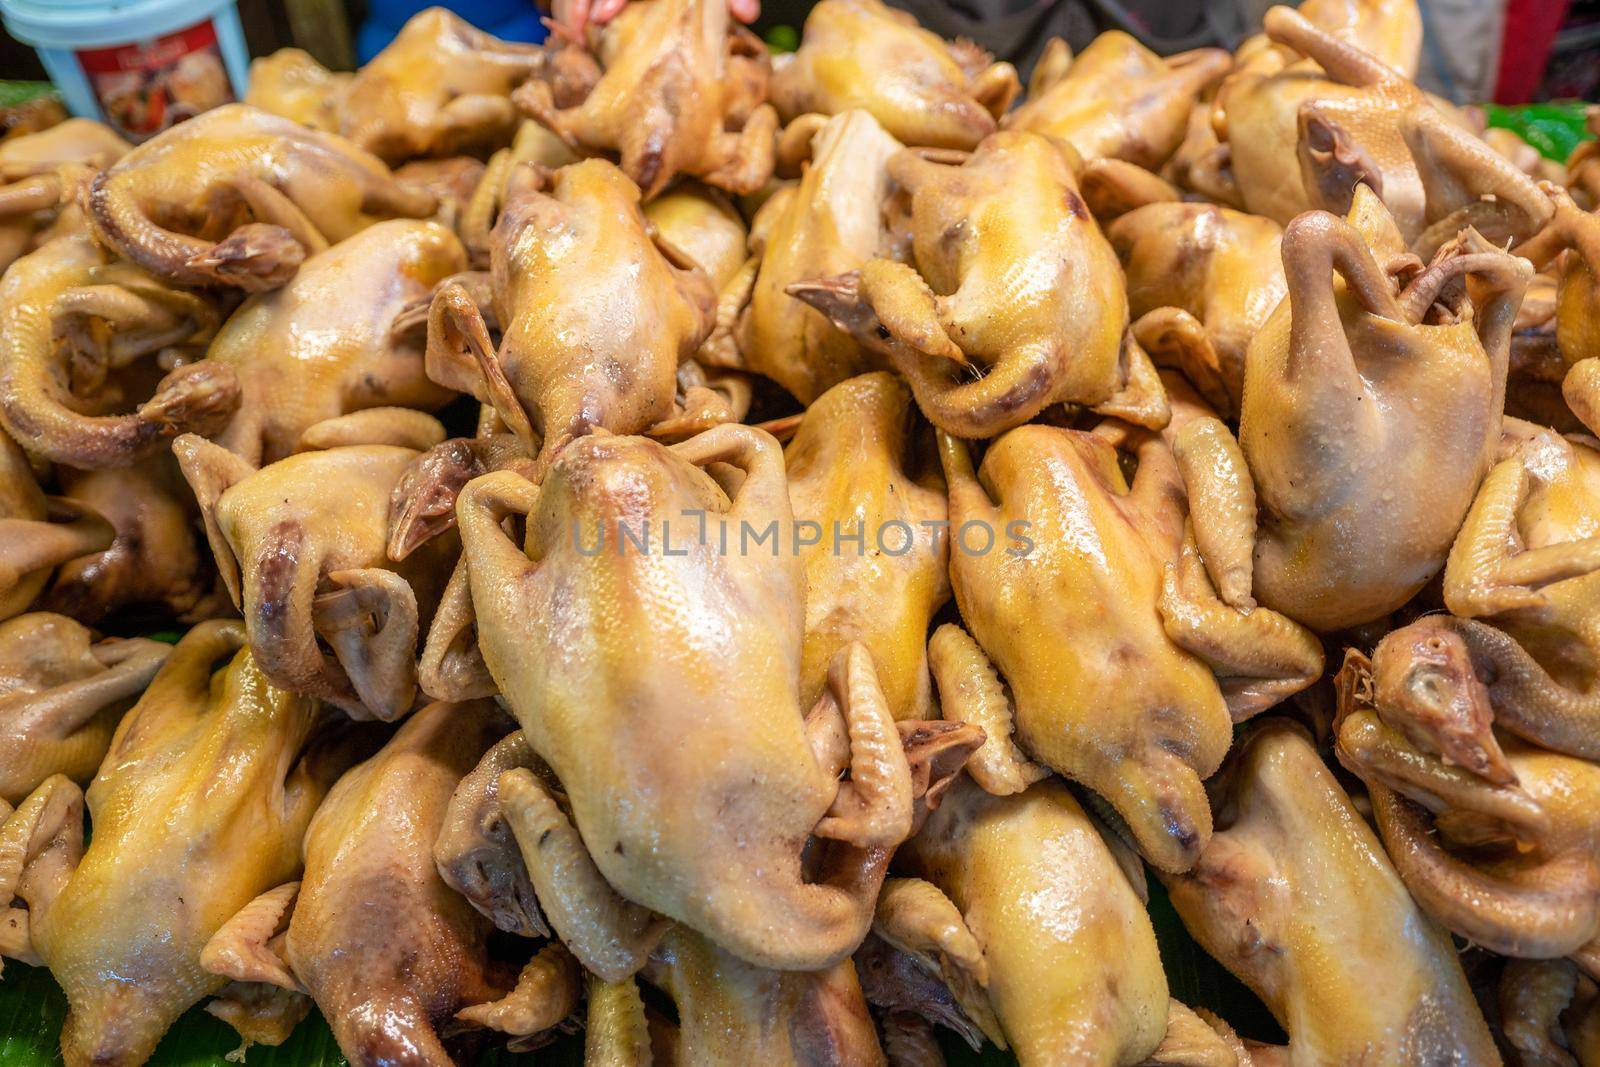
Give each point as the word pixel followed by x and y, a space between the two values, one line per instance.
pixel 1475 51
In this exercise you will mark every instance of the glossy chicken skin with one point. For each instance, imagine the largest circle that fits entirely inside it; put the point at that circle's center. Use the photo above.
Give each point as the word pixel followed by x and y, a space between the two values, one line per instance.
pixel 1066 967
pixel 62 690
pixel 239 197
pixel 923 90
pixel 1119 100
pixel 1302 136
pixel 1468 183
pixel 681 92
pixel 157 558
pixel 532 144
pixel 1015 301
pixel 701 224
pixel 1583 165
pixel 1573 235
pixel 1130 707
pixel 851 469
pixel 452 181
pixel 33 155
pixel 301 545
pixel 831 222
pixel 1511 862
pixel 1347 534
pixel 703 648
pixel 200 805
pixel 1296 897
pixel 37 533
pixel 1389 29
pixel 1203 162
pixel 39 173
pixel 595 322
pixel 1527 560
pixel 1548 1014
pixel 30 116
pixel 289 82
pixel 732 1012
pixel 70 324
pixel 384 947
pixel 1201 280
pixel 439 88
pixel 327 343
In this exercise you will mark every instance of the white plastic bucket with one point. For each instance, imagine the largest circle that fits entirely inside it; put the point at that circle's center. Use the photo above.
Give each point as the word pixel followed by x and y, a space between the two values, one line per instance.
pixel 138 65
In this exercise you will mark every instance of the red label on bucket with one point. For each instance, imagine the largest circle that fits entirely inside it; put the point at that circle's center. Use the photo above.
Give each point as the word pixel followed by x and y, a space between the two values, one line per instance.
pixel 147 86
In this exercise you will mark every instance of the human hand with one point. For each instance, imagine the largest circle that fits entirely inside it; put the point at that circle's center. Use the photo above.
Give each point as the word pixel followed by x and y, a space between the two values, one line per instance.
pixel 571 17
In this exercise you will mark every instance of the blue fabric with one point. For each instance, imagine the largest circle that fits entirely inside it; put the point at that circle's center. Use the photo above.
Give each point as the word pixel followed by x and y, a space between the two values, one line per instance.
pixel 510 20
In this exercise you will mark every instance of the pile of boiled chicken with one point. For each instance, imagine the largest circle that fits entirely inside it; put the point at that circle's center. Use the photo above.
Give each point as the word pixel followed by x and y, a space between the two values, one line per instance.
pixel 879 526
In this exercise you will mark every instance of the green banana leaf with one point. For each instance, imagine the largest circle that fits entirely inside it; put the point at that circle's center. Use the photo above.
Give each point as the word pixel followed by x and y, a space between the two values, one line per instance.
pixel 1554 129
pixel 13 93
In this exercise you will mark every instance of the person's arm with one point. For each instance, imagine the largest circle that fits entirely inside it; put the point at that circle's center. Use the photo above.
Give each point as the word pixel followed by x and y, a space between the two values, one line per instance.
pixel 571 17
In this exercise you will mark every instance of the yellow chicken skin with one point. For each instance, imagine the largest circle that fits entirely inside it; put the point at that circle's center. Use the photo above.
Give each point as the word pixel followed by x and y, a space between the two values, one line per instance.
pixel 200 805
pixel 1119 100
pixel 384 947
pixel 1548 1014
pixel 925 91
pixel 62 691
pixel 532 144
pixel 73 327
pixel 727 1010
pixel 1574 236
pixel 831 222
pixel 327 343
pixel 1583 165
pixel 700 223
pixel 1202 1039
pixel 38 532
pixel 853 472
pixel 157 558
pixel 439 88
pixel 30 116
pixel 1352 348
pixel 1511 865
pixel 1015 301
pixel 1202 162
pixel 289 82
pixel 33 155
pixel 1078 590
pixel 1303 136
pixel 1391 30
pixel 301 545
pixel 694 776
pixel 39 173
pixel 732 1012
pixel 1527 561
pixel 1202 279
pixel 1468 183
pixel 681 91
pixel 1295 896
pixel 1020 903
pixel 596 314
pixel 238 197
pixel 453 181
